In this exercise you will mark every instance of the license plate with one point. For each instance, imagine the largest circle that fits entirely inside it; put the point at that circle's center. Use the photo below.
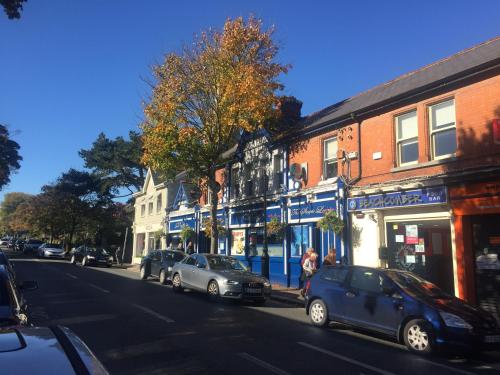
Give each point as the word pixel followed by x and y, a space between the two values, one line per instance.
pixel 253 290
pixel 492 339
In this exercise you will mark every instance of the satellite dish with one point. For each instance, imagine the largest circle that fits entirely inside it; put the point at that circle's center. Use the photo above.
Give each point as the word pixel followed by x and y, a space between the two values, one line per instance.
pixel 296 172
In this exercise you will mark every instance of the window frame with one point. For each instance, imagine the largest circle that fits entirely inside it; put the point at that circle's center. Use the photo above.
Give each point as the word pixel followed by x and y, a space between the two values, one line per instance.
pixel 143 210
pixel 432 132
pixel 400 141
pixel 150 208
pixel 159 203
pixel 334 159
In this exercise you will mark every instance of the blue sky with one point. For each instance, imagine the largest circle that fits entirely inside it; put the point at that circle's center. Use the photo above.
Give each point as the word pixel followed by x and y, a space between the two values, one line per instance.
pixel 71 69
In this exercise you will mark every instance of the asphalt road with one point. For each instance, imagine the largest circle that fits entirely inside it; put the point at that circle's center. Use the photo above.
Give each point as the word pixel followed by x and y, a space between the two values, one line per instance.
pixel 142 327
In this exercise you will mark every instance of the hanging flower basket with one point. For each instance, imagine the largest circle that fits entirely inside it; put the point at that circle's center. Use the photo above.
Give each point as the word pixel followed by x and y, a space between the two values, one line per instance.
pixel 207 223
pixel 330 221
pixel 275 228
pixel 186 233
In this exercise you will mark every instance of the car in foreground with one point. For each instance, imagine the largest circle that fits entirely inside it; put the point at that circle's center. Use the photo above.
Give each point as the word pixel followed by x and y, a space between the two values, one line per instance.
pixel 51 250
pixel 48 350
pixel 91 256
pixel 399 304
pixel 31 246
pixel 13 307
pixel 220 276
pixel 4 261
pixel 159 263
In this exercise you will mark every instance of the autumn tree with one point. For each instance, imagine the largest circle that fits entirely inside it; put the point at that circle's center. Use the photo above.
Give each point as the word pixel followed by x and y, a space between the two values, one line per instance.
pixel 205 96
pixel 9 205
pixel 12 7
pixel 9 156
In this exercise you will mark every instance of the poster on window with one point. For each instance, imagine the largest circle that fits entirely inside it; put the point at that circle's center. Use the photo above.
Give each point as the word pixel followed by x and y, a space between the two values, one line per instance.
pixel 238 242
pixel 411 234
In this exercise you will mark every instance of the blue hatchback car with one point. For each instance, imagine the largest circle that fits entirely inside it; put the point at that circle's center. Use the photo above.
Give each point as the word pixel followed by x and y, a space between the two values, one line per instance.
pixel 399 304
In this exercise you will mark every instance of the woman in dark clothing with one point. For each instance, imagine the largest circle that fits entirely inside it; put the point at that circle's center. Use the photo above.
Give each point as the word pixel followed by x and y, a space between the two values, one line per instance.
pixel 330 259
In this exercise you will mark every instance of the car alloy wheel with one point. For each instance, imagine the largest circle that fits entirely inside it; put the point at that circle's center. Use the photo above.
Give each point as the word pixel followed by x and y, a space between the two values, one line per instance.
pixel 73 260
pixel 176 283
pixel 163 277
pixel 418 336
pixel 318 313
pixel 84 261
pixel 213 290
pixel 144 275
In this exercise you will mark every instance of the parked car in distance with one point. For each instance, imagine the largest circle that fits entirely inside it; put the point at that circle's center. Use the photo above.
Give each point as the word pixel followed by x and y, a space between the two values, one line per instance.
pixel 159 263
pixel 219 276
pixel 91 256
pixel 399 304
pixel 19 245
pixel 48 350
pixel 51 250
pixel 31 246
pixel 4 242
pixel 13 307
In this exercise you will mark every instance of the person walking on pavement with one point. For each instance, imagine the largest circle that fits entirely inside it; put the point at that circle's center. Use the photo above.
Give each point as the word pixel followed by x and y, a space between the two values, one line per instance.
pixel 330 259
pixel 306 255
pixel 309 268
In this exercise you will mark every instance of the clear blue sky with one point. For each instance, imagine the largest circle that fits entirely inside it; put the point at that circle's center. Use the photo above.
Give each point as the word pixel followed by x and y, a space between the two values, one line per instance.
pixel 71 69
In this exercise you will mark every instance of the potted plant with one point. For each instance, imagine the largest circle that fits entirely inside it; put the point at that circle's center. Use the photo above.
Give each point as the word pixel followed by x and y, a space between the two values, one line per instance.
pixel 331 221
pixel 186 233
pixel 207 223
pixel 275 228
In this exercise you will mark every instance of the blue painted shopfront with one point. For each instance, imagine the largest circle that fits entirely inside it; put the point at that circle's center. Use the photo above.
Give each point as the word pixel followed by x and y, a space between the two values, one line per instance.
pixel 246 239
pixel 204 241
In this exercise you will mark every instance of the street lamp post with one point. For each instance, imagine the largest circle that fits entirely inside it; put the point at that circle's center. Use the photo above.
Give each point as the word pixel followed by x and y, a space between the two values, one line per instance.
pixel 265 252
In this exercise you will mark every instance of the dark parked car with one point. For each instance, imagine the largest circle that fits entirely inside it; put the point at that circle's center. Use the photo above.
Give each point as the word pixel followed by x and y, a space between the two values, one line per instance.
pixel 159 263
pixel 4 261
pixel 19 245
pixel 399 304
pixel 91 256
pixel 13 307
pixel 31 246
pixel 47 350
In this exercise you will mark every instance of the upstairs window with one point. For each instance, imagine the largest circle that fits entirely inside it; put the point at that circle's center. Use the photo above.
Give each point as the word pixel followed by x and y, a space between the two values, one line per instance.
pixel 407 138
pixel 235 183
pixel 150 208
pixel 278 172
pixel 443 129
pixel 143 210
pixel 158 203
pixel 330 165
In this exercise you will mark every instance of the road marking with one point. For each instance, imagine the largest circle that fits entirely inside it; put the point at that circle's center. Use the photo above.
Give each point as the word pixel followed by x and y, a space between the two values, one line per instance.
pixel 263 364
pixel 346 359
pixel 99 288
pixel 84 319
pixel 154 313
pixel 72 276
pixel 457 370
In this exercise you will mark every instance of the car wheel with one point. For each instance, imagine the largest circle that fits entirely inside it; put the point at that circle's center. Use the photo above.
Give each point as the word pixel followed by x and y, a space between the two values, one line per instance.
pixel 318 313
pixel 73 259
pixel 213 290
pixel 144 274
pixel 419 336
pixel 176 283
pixel 163 277
pixel 84 262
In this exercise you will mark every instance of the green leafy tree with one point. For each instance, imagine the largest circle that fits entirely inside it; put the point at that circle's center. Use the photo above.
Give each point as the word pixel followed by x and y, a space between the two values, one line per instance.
pixel 117 162
pixel 9 156
pixel 12 8
pixel 204 97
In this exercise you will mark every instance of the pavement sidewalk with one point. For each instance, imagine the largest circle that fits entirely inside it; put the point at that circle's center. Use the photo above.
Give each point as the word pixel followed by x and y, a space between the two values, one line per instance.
pixel 287 295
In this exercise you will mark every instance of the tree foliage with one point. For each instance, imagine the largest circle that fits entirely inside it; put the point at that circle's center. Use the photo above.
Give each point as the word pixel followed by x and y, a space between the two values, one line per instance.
pixel 8 207
pixel 204 97
pixel 117 162
pixel 9 156
pixel 12 7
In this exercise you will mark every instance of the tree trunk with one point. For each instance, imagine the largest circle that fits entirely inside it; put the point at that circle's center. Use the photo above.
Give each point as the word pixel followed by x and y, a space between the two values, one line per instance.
pixel 214 188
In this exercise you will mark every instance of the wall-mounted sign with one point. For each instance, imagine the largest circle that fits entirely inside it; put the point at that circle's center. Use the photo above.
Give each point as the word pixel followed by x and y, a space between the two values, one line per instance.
pixel 408 198
pixel 176 223
pixel 311 210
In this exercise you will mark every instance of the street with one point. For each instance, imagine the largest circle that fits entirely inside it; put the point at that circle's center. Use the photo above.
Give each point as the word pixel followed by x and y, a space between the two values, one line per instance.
pixel 137 327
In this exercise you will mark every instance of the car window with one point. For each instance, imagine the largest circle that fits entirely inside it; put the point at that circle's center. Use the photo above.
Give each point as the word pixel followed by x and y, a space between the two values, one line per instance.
pixel 191 260
pixel 201 261
pixel 367 280
pixel 334 274
pixel 156 256
pixel 178 257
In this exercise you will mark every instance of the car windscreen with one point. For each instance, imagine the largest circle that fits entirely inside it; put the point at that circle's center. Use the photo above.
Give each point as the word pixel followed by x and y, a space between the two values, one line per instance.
pixel 94 251
pixel 415 284
pixel 53 246
pixel 35 242
pixel 225 263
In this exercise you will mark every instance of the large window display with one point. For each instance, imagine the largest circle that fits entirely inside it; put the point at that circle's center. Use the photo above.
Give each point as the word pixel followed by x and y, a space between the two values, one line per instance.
pixel 300 240
pixel 250 242
pixel 422 247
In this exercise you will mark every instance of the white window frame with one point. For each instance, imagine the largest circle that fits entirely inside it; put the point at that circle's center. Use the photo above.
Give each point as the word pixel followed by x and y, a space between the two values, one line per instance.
pixel 325 160
pixel 159 203
pixel 150 208
pixel 399 140
pixel 434 132
pixel 143 210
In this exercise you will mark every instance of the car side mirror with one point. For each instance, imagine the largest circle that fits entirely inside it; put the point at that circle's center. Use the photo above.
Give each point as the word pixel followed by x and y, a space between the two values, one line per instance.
pixel 28 285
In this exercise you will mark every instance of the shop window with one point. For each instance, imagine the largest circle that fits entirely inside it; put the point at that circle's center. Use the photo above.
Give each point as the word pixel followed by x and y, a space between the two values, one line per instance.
pixel 158 203
pixel 443 129
pixel 238 239
pixel 140 244
pixel 330 165
pixel 256 244
pixel 143 210
pixel 300 241
pixel 407 138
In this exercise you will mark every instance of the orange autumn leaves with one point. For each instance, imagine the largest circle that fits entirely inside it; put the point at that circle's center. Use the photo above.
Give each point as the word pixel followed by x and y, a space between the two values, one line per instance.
pixel 225 82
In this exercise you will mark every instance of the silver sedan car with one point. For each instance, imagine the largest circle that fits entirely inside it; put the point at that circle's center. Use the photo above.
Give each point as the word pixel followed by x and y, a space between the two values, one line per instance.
pixel 219 276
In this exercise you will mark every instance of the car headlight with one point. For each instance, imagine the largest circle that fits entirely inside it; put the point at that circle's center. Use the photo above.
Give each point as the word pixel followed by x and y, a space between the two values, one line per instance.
pixel 232 282
pixel 169 269
pixel 267 284
pixel 452 320
pixel 90 257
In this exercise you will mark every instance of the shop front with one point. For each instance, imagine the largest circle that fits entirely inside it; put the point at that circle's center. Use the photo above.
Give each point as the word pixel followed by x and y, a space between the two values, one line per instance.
pixel 177 221
pixel 204 240
pixel 412 231
pixel 476 208
pixel 246 239
pixel 304 211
